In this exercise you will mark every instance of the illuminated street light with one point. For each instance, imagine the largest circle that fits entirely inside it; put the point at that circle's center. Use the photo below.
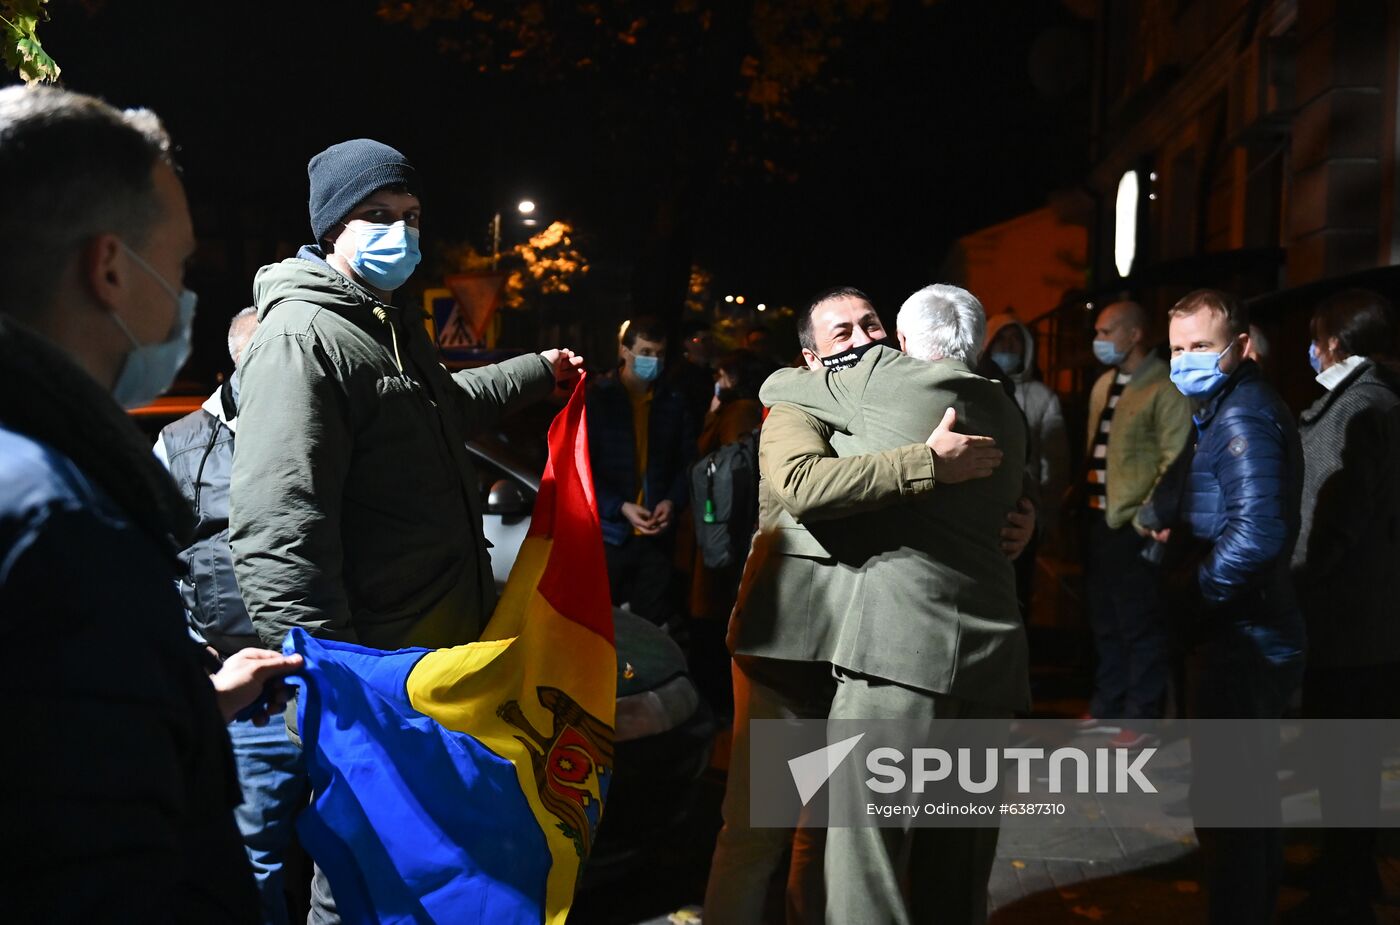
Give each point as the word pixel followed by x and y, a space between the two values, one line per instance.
pixel 762 307
pixel 525 207
pixel 729 298
pixel 1125 223
pixel 739 299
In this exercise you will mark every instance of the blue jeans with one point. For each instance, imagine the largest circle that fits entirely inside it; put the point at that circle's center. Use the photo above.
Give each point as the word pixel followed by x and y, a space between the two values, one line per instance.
pixel 275 789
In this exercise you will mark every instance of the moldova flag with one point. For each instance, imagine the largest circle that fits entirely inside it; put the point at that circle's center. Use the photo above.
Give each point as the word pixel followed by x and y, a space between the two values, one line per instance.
pixel 466 784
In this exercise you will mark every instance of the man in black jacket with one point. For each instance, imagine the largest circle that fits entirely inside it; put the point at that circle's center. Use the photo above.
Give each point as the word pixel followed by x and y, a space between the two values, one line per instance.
pixel 198 451
pixel 121 806
pixel 641 442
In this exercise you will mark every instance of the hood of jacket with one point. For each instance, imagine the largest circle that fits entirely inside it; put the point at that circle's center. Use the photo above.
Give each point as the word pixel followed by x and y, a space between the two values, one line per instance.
pixel 308 278
pixel 995 326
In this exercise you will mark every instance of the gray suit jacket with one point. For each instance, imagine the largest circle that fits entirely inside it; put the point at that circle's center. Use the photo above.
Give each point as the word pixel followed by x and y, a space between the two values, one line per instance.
pixel 924 595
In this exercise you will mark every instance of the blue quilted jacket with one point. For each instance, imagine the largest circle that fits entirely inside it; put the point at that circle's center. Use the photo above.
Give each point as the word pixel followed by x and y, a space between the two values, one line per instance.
pixel 1241 501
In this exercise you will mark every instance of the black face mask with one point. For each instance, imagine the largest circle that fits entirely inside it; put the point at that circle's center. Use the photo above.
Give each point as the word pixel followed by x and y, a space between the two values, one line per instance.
pixel 848 358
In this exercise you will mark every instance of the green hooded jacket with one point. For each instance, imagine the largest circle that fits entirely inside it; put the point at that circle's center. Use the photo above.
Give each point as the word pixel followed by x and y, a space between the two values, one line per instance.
pixel 355 512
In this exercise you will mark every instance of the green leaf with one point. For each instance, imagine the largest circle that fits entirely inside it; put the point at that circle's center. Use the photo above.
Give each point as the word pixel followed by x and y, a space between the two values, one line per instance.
pixel 19 40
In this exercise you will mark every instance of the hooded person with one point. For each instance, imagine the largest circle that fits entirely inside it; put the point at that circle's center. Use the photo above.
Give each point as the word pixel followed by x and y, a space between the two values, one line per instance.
pixel 354 511
pixel 1010 346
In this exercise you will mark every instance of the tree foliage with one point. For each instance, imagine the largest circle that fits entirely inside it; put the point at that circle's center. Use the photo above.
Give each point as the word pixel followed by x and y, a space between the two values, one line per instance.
pixel 19 40
pixel 548 263
pixel 714 65
pixel 691 95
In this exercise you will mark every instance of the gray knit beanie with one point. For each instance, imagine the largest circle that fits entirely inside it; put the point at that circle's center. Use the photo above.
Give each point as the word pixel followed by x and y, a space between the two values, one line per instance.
pixel 344 174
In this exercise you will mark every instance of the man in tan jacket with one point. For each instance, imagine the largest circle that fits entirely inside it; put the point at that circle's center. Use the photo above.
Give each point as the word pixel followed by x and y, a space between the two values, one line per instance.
pixel 1138 424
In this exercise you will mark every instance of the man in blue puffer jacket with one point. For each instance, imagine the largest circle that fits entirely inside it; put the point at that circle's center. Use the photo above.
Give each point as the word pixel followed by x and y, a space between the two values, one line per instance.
pixel 1240 505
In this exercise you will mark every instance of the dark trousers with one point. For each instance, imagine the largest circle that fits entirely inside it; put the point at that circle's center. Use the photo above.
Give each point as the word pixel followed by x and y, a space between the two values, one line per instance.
pixel 1229 678
pixel 1129 622
pixel 642 575
pixel 1349 774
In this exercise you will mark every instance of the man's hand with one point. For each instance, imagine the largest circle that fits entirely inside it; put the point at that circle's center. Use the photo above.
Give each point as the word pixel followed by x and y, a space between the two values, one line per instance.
pixel 1020 527
pixel 958 456
pixel 661 516
pixel 567 365
pixel 640 518
pixel 1161 536
pixel 253 678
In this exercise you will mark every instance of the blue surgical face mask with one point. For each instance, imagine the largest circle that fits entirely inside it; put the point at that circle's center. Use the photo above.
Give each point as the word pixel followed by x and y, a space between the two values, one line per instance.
pixel 149 369
pixel 1198 375
pixel 1107 353
pixel 646 368
pixel 1314 358
pixel 1008 360
pixel 385 255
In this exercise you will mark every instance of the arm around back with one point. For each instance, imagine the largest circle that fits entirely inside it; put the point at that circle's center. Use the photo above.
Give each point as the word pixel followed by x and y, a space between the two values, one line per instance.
pixel 813 484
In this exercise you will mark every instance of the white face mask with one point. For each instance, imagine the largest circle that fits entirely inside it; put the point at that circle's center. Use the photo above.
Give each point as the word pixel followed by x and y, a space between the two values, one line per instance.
pixel 149 369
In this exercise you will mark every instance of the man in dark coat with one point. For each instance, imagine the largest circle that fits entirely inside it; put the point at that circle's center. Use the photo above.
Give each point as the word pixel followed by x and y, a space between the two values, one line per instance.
pixel 122 804
pixel 1346 569
pixel 1239 507
pixel 641 442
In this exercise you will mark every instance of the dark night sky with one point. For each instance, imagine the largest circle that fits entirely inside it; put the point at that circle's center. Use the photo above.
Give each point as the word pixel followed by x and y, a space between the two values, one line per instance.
pixel 923 128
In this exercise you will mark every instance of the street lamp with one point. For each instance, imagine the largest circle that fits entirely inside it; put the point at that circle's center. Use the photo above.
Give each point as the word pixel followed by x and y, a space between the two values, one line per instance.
pixel 525 207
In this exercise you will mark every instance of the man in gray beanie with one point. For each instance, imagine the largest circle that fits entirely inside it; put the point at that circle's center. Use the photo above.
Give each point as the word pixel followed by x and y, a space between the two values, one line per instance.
pixel 355 512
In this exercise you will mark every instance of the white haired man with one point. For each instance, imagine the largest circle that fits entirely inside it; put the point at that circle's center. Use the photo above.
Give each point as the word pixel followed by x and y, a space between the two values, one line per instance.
pixel 961 654
pixel 783 653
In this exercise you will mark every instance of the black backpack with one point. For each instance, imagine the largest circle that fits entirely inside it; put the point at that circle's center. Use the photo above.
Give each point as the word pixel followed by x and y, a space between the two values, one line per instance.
pixel 724 501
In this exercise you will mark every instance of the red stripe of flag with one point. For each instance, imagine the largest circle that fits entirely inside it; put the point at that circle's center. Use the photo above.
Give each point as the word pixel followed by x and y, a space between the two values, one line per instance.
pixel 575 581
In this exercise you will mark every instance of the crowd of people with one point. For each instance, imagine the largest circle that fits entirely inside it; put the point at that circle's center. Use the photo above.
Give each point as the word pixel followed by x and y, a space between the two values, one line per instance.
pixel 902 484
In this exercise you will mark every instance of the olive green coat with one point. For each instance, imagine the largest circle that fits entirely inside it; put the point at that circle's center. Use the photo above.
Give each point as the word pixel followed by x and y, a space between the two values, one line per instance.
pixel 917 592
pixel 792 589
pixel 354 511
